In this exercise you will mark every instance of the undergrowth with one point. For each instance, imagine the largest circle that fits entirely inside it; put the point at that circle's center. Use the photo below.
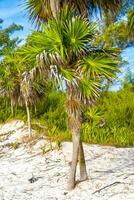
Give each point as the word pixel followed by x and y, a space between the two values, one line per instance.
pixel 111 122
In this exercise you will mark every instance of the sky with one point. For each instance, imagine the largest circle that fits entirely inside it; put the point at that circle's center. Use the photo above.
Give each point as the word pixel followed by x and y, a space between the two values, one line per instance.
pixel 12 11
pixel 128 56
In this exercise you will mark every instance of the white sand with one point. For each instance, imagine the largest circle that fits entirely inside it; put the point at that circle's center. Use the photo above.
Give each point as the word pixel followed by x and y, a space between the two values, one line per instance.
pixel 109 168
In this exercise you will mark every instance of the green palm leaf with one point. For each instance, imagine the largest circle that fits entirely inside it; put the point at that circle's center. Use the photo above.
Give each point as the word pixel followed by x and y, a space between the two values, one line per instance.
pixel 78 33
pixel 131 22
pixel 89 89
pixel 100 65
pixel 67 74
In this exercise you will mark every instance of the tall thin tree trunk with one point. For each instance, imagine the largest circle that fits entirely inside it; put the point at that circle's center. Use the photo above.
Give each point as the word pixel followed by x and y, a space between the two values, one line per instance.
pixel 12 108
pixel 82 163
pixel 28 119
pixel 74 123
pixel 76 144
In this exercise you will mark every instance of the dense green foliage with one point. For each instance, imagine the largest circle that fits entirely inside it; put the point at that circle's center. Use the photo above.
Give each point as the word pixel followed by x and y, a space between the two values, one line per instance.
pixel 115 125
pixel 5 110
pixel 111 122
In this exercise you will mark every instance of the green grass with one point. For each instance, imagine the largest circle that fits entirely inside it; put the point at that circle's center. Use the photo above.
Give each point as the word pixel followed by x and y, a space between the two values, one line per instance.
pixel 120 137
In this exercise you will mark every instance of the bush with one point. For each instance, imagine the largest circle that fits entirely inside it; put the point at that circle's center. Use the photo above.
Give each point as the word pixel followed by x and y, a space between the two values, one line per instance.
pixel 5 111
pixel 117 110
pixel 51 111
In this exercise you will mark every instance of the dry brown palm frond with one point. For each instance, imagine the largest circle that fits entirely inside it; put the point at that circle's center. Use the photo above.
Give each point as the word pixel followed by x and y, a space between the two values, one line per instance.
pixel 42 10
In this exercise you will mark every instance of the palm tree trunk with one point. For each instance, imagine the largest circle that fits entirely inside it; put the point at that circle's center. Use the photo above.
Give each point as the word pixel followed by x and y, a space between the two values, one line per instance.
pixel 28 119
pixel 74 123
pixel 76 144
pixel 82 163
pixel 12 108
pixel 54 4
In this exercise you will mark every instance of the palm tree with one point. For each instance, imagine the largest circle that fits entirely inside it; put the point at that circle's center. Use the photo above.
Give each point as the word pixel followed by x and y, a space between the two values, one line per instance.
pixel 8 84
pixel 131 22
pixel 17 86
pixel 30 91
pixel 27 94
pixel 44 9
pixel 65 53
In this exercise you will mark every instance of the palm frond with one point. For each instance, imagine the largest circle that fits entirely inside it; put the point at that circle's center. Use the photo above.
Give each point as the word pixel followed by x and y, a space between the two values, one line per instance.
pixel 89 89
pixel 37 10
pixel 42 10
pixel 29 53
pixel 79 32
pixel 48 59
pixel 100 65
pixel 67 74
pixel 131 22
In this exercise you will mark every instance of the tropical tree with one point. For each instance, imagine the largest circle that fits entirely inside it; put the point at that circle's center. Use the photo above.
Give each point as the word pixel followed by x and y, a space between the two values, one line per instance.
pixel 65 53
pixel 6 43
pixel 128 81
pixel 12 70
pixel 14 85
pixel 9 83
pixel 131 22
pixel 31 91
pixel 116 34
pixel 8 73
pixel 120 34
pixel 42 10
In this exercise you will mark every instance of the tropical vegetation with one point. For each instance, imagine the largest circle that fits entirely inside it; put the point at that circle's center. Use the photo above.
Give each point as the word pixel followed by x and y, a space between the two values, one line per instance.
pixel 60 77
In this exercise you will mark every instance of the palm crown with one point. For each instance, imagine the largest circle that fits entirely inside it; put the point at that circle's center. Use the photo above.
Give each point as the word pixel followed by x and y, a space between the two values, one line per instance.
pixel 65 51
pixel 44 9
